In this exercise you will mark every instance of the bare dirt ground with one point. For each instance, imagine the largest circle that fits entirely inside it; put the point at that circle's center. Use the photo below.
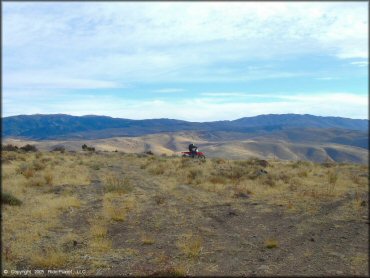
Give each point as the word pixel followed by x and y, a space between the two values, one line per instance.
pixel 150 215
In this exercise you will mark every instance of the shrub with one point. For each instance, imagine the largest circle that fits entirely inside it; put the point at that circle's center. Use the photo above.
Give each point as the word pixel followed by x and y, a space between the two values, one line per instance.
pixel 10 148
pixel 61 149
pixel 29 148
pixel 9 199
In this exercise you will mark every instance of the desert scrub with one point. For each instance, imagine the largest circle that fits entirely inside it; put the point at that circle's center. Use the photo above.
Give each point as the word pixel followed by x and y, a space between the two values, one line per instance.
pixel 114 183
pixel 9 199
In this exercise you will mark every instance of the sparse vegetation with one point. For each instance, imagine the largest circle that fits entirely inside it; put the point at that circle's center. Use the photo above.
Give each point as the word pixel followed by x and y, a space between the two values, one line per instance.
pixel 176 216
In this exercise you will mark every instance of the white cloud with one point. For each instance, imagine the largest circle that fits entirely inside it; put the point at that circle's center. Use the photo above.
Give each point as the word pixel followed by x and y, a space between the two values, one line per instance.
pixel 143 41
pixel 82 45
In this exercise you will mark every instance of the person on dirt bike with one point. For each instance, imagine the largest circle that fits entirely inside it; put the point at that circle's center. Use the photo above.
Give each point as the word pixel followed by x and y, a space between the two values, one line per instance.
pixel 193 149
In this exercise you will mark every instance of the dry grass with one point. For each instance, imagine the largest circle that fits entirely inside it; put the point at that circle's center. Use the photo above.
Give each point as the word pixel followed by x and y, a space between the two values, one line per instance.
pixel 147 240
pixel 48 186
pixel 271 243
pixel 114 183
pixel 98 230
pixel 190 245
pixel 50 259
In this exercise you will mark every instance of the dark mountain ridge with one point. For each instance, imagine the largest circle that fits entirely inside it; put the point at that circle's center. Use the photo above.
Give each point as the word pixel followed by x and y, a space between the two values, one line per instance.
pixel 62 126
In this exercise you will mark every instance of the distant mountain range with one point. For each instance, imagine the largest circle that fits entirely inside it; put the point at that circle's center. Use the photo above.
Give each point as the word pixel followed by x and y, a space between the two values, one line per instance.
pixel 287 136
pixel 60 126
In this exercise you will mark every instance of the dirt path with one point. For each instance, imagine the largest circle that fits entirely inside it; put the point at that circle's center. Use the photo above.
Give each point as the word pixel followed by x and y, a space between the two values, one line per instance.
pixel 226 235
pixel 233 236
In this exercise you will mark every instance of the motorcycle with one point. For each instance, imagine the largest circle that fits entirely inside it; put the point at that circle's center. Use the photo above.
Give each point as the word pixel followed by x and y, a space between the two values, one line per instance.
pixel 196 154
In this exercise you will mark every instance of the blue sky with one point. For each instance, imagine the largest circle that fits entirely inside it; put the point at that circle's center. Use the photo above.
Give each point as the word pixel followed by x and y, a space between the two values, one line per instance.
pixel 193 61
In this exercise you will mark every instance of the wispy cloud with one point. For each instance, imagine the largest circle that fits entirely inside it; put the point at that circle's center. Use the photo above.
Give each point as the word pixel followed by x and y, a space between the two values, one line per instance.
pixel 170 48
pixel 360 63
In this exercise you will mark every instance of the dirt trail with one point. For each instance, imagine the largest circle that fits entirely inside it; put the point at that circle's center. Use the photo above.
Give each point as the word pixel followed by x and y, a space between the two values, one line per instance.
pixel 233 236
pixel 231 231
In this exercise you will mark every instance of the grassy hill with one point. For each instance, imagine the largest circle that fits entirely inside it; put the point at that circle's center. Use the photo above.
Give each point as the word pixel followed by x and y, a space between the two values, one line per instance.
pixel 111 213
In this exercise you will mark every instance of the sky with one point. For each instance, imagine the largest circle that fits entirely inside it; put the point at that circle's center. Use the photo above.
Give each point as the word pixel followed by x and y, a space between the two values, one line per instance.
pixel 195 61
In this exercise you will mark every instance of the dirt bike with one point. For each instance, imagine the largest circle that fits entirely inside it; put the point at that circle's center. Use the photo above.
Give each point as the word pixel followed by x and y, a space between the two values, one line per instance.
pixel 196 154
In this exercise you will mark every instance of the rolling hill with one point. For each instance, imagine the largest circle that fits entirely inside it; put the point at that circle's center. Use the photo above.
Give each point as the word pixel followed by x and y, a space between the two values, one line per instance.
pixel 288 137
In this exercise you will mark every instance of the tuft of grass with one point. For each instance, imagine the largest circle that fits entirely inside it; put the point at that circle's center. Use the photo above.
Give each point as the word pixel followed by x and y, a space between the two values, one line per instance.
pixel 194 173
pixel 117 184
pixel 37 181
pixel 98 231
pixel 115 213
pixel 9 199
pixel 158 169
pixel 38 165
pixel 101 244
pixel 48 176
pixel 50 259
pixel 217 179
pixel 332 177
pixel 190 245
pixel 271 243
pixel 147 240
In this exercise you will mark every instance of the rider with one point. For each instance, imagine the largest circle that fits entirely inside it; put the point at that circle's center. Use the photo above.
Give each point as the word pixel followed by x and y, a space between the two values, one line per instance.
pixel 193 149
